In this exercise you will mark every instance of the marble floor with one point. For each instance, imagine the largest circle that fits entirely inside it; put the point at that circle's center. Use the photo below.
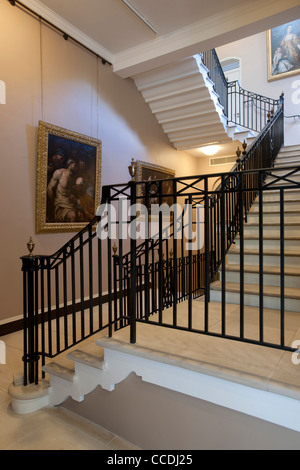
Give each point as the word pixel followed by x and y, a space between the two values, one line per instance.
pixel 49 428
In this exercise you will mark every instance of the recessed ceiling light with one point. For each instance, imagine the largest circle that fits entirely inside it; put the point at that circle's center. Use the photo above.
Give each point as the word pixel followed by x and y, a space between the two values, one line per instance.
pixel 210 150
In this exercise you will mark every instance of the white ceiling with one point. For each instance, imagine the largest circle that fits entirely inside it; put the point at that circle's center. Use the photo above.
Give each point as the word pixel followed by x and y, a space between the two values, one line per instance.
pixel 113 25
pixel 184 27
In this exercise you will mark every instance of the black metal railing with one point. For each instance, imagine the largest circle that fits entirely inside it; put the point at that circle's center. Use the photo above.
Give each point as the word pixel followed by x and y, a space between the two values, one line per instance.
pixel 216 74
pixel 151 263
pixel 241 107
pixel 248 109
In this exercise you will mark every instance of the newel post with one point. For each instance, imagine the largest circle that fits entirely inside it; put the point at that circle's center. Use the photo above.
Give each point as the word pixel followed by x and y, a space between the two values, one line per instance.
pixel 30 266
pixel 132 293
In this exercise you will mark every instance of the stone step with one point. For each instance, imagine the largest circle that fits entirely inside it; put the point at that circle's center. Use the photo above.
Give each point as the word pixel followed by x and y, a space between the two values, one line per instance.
pixel 271 275
pixel 65 366
pixel 274 217
pixel 289 148
pixel 291 243
pixel 91 360
pixel 274 205
pixel 272 297
pixel 58 370
pixel 274 195
pixel 270 230
pixel 270 257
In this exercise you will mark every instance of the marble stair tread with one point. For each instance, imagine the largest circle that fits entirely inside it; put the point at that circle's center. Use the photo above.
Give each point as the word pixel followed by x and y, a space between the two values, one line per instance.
pixel 273 224
pixel 269 237
pixel 270 291
pixel 58 370
pixel 267 210
pixel 84 357
pixel 271 252
pixel 288 271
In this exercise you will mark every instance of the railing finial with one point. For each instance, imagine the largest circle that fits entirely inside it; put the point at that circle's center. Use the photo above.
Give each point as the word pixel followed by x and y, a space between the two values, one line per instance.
pixel 132 169
pixel 30 246
pixel 115 249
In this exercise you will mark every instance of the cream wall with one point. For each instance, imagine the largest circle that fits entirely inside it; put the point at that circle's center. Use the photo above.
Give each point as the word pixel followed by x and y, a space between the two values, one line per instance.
pixel 253 54
pixel 50 79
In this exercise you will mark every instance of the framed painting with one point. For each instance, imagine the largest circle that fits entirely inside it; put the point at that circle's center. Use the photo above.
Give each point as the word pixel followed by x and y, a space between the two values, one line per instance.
pixel 68 179
pixel 146 172
pixel 283 50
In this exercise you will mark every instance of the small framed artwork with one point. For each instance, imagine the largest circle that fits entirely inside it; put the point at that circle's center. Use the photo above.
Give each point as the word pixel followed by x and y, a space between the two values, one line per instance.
pixel 68 179
pixel 283 50
pixel 146 172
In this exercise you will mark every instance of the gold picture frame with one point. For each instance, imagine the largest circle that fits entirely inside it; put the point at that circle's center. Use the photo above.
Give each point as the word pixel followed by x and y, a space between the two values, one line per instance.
pixel 283 50
pixel 68 179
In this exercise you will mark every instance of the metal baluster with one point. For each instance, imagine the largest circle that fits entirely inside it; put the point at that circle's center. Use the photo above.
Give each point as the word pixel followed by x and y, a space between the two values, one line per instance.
pixel 73 284
pixel 65 299
pixel 49 306
pixel 207 255
pixel 132 293
pixel 241 226
pixel 57 309
pixel 261 282
pixel 175 279
pixel 81 259
pixel 282 280
pixel 223 252
pixel 100 282
pixel 91 280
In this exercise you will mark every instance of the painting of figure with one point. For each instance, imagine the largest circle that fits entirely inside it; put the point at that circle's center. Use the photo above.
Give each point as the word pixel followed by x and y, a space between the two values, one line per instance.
pixel 283 44
pixel 68 183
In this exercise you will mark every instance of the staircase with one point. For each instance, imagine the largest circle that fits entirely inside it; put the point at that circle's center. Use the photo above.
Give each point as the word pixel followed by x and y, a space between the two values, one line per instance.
pixel 288 157
pixel 184 100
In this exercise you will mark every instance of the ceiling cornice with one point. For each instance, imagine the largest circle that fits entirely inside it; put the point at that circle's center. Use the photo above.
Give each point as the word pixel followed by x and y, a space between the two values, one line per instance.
pixel 227 26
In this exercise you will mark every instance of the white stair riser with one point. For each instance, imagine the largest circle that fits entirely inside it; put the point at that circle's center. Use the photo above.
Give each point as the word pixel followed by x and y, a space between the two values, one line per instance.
pixel 268 279
pixel 253 217
pixel 275 206
pixel 274 196
pixel 271 230
pixel 268 260
pixel 269 244
pixel 252 300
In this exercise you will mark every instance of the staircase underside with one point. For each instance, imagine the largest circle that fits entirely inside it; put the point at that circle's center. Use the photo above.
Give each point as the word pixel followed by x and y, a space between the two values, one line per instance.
pixel 183 98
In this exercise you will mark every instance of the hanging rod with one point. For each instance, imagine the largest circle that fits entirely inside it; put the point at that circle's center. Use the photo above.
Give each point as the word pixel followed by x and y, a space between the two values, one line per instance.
pixel 65 35
pixel 138 14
